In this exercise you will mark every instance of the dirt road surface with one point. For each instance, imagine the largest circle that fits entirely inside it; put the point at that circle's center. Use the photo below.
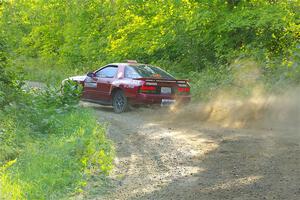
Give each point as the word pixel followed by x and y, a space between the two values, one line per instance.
pixel 247 149
pixel 164 155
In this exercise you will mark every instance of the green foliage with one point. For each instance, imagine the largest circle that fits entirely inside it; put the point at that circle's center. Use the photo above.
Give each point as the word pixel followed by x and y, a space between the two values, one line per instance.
pixel 207 83
pixel 188 35
pixel 52 166
pixel 46 71
pixel 49 145
pixel 10 85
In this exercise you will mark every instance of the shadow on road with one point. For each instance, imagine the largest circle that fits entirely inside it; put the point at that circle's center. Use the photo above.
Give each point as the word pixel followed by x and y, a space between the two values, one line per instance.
pixel 162 156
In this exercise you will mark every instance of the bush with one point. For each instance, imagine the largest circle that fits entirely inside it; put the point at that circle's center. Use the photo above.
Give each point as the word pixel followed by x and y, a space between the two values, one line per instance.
pixel 50 145
pixel 187 35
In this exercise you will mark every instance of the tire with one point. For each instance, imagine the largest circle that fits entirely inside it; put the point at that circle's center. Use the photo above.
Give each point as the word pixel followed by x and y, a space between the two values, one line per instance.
pixel 120 103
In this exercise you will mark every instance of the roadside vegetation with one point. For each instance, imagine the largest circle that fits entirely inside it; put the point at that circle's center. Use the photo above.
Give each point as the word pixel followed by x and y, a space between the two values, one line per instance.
pixel 49 146
pixel 199 40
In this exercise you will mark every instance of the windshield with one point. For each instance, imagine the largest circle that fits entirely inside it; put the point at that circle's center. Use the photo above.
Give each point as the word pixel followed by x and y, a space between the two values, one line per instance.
pixel 146 71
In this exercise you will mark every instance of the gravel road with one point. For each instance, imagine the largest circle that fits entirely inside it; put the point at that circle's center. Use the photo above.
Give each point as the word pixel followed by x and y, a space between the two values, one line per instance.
pixel 226 149
pixel 162 154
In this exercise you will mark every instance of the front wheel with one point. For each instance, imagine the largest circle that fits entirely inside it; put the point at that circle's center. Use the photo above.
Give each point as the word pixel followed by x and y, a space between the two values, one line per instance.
pixel 120 102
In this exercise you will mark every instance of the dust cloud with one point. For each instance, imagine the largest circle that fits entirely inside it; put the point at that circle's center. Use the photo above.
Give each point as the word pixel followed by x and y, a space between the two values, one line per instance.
pixel 257 110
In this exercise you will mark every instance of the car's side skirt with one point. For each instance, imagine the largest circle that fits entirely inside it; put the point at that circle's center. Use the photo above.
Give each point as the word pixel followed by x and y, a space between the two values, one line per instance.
pixel 97 101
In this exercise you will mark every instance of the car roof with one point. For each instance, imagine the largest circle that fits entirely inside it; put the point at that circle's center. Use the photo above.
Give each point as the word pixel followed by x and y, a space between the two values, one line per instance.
pixel 131 64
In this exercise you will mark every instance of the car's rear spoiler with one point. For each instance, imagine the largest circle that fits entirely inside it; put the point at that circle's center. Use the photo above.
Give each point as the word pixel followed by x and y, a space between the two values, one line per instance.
pixel 163 80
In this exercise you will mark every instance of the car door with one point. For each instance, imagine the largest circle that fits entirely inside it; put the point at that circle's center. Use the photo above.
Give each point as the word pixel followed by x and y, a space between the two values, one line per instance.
pixel 90 87
pixel 105 77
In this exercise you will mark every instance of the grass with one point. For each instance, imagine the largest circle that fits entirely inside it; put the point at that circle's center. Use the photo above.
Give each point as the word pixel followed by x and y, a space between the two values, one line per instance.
pixel 49 148
pixel 48 71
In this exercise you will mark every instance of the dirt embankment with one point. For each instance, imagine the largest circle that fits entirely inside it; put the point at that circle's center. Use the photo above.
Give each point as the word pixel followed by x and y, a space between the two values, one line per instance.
pixel 225 149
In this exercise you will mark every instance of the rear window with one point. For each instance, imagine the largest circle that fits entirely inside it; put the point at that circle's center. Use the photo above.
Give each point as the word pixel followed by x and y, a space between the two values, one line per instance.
pixel 146 71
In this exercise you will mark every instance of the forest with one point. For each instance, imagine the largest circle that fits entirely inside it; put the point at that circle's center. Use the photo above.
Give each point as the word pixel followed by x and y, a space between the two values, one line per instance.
pixel 50 146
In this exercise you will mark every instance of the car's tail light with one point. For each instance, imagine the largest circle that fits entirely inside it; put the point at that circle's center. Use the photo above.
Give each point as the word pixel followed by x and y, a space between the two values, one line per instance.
pixel 147 89
pixel 183 90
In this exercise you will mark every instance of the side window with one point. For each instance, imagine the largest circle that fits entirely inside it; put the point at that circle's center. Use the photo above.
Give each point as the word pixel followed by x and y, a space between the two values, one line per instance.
pixel 131 73
pixel 107 72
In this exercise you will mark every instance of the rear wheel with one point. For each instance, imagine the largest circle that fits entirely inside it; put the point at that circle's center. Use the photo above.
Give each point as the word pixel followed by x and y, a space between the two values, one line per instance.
pixel 120 102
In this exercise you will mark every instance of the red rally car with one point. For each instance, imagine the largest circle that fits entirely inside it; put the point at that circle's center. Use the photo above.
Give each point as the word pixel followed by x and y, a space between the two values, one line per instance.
pixel 121 84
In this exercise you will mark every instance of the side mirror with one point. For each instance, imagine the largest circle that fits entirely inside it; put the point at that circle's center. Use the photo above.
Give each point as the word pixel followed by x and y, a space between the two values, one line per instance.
pixel 91 74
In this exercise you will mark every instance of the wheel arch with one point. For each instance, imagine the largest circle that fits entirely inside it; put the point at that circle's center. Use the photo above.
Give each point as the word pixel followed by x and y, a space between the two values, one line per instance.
pixel 123 103
pixel 114 90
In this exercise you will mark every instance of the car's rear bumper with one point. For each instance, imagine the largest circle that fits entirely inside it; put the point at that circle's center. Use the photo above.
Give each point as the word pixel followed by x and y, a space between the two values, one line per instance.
pixel 157 99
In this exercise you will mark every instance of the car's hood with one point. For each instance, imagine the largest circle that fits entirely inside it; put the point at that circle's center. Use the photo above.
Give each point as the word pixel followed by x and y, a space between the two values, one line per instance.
pixel 75 78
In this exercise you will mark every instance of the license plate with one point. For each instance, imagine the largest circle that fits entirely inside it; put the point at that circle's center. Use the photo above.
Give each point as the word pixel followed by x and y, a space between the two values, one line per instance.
pixel 166 102
pixel 166 90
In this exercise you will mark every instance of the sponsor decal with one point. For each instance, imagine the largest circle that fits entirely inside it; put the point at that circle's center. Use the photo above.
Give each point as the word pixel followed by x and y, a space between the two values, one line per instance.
pixel 90 84
pixel 182 85
pixel 128 83
pixel 165 81
pixel 150 83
